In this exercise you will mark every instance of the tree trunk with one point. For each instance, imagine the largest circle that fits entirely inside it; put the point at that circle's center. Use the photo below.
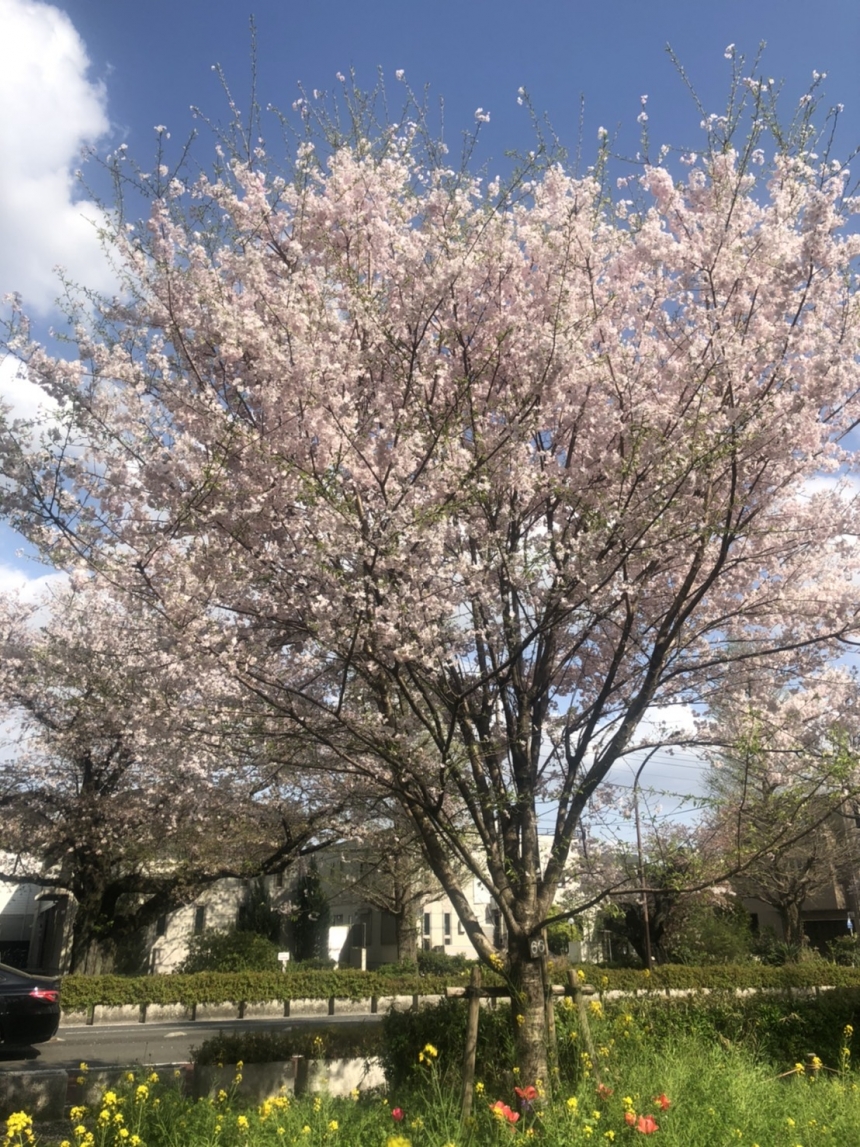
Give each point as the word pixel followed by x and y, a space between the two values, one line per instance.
pixel 406 935
pixel 91 954
pixel 791 923
pixel 528 1014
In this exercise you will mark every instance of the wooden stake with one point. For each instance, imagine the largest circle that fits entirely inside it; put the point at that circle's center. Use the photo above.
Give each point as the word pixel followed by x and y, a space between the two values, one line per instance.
pixel 474 995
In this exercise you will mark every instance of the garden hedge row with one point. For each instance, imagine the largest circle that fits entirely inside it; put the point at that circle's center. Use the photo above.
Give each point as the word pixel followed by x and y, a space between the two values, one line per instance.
pixel 82 992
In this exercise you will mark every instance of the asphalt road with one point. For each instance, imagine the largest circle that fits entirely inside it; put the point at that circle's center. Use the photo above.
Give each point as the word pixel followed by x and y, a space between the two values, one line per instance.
pixel 121 1045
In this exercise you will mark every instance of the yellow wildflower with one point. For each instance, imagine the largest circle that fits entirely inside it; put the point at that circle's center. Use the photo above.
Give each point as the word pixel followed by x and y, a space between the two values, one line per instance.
pixel 332 1125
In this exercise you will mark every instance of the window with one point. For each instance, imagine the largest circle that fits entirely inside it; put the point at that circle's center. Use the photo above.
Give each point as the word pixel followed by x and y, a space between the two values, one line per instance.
pixel 460 929
pixel 426 923
pixel 199 920
pixel 161 926
pixel 447 928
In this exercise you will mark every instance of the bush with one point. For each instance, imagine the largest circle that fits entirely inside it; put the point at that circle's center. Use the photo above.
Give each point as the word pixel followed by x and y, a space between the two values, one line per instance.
pixel 444 1026
pixel 435 963
pixel 214 951
pixel 845 950
pixel 400 968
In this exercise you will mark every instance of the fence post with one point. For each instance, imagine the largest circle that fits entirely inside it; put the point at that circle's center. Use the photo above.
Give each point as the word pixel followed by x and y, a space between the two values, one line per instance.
pixel 473 993
pixel 549 1018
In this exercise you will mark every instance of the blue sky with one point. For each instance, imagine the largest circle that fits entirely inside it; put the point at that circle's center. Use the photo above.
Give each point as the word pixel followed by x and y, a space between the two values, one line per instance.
pixel 97 73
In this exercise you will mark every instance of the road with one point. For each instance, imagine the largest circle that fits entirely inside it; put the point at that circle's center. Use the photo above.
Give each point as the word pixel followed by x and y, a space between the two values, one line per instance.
pixel 120 1045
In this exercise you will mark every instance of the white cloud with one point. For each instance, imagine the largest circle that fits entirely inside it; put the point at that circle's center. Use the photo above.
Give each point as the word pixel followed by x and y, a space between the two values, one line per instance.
pixel 51 110
pixel 23 397
pixel 31 589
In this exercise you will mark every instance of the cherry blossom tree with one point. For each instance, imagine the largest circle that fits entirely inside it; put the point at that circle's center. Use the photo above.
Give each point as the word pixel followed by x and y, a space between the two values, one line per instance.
pixel 459 480
pixel 784 789
pixel 112 787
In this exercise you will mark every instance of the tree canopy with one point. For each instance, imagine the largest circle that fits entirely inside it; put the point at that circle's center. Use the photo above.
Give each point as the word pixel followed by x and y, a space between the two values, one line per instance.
pixel 458 480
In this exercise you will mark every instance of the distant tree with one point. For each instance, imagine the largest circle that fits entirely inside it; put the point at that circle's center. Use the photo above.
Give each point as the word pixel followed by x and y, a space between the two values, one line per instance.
pixel 114 784
pixel 258 914
pixel 387 869
pixel 783 785
pixel 310 917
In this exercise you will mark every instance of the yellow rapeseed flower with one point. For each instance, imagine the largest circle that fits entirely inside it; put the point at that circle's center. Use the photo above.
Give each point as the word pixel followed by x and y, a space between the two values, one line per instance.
pixel 333 1125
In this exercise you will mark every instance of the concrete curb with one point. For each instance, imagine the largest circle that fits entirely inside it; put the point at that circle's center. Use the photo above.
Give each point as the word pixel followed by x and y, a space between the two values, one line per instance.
pixel 46 1094
pixel 40 1091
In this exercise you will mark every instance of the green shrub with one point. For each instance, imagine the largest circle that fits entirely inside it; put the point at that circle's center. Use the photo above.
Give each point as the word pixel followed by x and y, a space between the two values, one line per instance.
pixel 434 963
pixel 214 951
pixel 844 950
pixel 444 1026
pixel 400 968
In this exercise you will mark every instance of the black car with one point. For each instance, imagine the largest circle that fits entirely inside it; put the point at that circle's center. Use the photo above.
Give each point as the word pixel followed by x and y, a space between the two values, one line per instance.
pixel 29 1007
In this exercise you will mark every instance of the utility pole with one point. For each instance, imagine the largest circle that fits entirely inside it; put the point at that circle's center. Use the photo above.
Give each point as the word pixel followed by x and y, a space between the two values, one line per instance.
pixel 645 918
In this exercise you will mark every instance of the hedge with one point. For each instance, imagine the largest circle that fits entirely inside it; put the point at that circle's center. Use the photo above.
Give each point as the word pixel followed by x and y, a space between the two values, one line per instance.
pixel 82 992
